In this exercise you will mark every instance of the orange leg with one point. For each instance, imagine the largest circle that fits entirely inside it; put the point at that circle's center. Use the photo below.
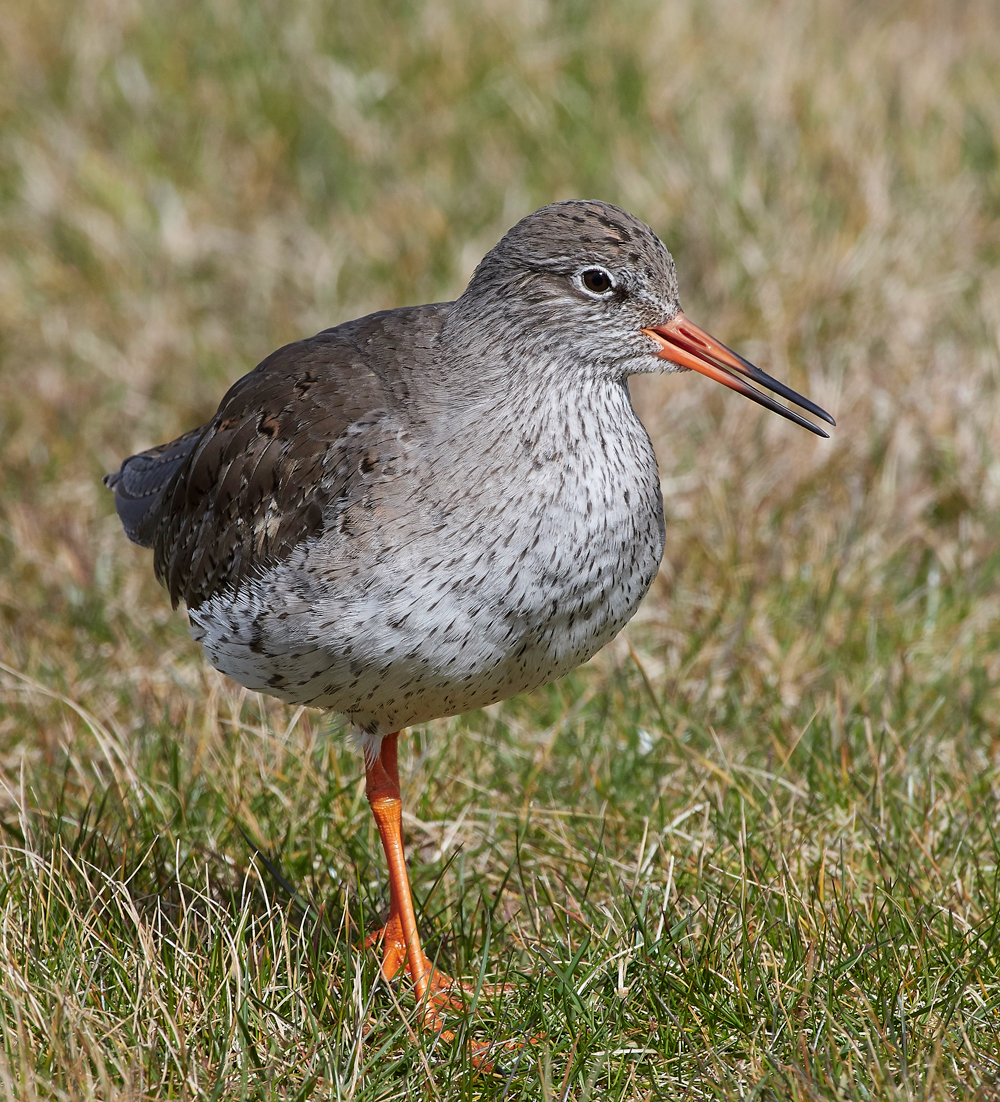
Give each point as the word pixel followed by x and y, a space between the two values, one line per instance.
pixel 399 936
pixel 400 940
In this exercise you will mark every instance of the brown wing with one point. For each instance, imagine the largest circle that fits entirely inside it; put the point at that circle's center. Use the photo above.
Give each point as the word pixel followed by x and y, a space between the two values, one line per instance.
pixel 274 465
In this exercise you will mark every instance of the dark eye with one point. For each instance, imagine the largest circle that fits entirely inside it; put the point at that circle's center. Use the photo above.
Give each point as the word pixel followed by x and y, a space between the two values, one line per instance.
pixel 596 280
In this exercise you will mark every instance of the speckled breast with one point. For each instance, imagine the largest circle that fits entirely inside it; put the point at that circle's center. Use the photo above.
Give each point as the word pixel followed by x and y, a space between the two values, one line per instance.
pixel 467 597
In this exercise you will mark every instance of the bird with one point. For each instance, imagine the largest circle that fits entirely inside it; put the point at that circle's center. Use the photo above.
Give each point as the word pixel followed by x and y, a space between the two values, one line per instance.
pixel 432 508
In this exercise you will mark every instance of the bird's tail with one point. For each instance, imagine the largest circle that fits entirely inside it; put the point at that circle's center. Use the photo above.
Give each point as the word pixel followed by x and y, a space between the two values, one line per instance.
pixel 141 484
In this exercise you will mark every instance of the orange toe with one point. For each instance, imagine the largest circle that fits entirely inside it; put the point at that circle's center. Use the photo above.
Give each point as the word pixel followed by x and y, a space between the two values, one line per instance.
pixel 438 985
pixel 393 946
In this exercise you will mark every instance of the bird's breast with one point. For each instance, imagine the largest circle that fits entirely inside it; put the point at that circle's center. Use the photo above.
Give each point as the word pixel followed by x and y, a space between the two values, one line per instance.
pixel 475 573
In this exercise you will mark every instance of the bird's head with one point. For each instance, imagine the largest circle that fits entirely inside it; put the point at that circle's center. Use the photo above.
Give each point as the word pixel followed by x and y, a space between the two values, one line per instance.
pixel 585 286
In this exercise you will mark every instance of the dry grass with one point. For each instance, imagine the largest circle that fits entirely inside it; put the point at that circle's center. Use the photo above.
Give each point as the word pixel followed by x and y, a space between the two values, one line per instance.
pixel 761 855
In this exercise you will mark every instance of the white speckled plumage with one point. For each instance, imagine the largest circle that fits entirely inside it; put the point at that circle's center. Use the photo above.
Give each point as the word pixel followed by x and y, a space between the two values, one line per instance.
pixel 430 509
pixel 499 584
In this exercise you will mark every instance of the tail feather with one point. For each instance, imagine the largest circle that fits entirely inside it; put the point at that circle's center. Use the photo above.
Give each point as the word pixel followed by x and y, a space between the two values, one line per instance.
pixel 141 484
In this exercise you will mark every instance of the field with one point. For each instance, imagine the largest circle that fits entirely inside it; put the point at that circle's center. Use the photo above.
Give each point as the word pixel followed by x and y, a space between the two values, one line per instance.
pixel 751 849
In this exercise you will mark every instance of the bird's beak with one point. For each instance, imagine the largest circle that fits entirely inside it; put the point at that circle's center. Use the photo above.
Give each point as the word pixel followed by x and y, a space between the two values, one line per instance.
pixel 685 344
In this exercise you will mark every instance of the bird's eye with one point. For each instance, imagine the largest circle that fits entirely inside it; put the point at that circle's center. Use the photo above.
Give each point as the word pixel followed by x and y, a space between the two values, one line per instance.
pixel 597 280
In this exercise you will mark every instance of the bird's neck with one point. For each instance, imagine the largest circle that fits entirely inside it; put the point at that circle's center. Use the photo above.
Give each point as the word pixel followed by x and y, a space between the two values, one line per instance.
pixel 534 411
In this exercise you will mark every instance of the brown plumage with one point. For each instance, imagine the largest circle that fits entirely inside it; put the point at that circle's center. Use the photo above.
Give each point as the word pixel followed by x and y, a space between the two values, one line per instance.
pixel 286 451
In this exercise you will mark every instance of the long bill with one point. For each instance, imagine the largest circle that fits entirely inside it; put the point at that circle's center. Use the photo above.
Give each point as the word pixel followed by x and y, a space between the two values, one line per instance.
pixel 687 345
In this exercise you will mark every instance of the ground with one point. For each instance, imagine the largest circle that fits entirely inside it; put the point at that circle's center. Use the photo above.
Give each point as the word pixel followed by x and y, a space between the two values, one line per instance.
pixel 748 851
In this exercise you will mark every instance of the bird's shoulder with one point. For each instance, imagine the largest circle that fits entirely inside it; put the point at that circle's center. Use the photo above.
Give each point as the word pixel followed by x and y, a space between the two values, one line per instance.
pixel 279 457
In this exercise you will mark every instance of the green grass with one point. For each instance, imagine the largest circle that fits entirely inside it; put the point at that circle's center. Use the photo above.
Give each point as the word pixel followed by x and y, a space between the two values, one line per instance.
pixel 751 851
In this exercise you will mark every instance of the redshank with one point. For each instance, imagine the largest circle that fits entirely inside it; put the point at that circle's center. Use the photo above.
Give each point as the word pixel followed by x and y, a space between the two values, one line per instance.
pixel 433 508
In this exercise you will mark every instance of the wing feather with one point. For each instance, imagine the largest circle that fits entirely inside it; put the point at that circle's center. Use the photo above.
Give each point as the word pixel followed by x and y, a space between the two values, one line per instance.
pixel 274 464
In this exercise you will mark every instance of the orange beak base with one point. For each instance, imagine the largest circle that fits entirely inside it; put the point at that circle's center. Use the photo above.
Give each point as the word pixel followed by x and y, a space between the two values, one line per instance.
pixel 687 345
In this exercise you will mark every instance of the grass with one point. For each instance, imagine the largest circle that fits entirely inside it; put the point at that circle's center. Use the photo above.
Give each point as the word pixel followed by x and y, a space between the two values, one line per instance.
pixel 751 850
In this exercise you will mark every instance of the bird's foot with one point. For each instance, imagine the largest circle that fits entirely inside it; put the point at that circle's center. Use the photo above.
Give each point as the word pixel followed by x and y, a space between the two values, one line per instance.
pixel 438 992
pixel 395 956
pixel 441 989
